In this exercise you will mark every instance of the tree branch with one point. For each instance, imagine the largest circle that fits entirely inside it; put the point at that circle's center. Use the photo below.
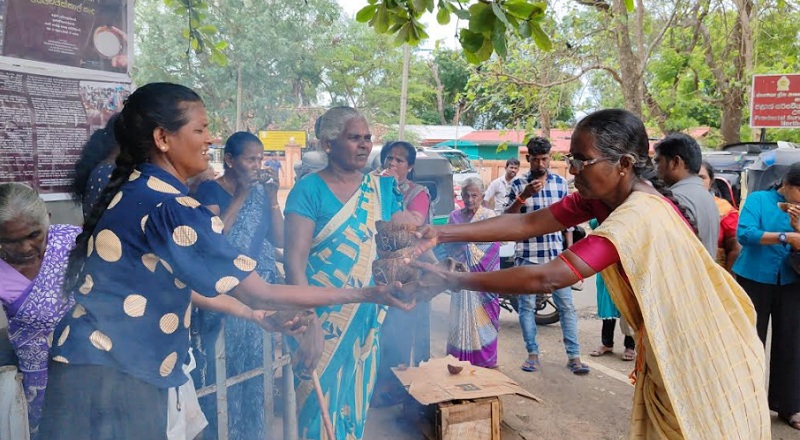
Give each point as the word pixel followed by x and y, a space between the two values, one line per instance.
pixel 529 83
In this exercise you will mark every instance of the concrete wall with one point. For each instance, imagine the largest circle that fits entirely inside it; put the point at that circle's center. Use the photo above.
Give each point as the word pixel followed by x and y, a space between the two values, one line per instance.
pixel 492 169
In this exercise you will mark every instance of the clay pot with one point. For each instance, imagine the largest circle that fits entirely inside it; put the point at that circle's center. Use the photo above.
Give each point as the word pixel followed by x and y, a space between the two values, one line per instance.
pixel 393 236
pixel 387 271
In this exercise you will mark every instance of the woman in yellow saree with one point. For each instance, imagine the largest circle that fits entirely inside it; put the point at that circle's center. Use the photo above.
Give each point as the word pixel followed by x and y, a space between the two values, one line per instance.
pixel 330 227
pixel 700 367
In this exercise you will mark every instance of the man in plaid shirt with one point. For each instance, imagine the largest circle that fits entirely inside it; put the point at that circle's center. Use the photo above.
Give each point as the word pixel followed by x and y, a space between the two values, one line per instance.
pixel 531 191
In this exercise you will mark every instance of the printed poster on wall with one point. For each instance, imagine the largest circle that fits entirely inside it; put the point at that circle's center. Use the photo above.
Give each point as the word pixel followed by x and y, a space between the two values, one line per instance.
pixel 91 34
pixel 44 122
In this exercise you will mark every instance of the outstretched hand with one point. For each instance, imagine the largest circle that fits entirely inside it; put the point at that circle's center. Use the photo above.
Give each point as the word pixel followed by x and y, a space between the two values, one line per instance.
pixel 309 350
pixel 393 295
pixel 427 239
pixel 433 280
pixel 271 322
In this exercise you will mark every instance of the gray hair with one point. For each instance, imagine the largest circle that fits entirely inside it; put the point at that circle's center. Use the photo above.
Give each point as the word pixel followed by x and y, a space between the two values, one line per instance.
pixel 19 200
pixel 331 124
pixel 473 181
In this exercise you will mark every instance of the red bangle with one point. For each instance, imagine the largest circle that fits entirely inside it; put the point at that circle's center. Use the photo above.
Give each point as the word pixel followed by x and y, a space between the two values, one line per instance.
pixel 574 270
pixel 520 200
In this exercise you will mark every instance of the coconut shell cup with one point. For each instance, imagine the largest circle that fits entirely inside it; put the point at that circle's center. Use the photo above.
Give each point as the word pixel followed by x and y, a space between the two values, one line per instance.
pixel 393 236
pixel 398 254
pixel 387 271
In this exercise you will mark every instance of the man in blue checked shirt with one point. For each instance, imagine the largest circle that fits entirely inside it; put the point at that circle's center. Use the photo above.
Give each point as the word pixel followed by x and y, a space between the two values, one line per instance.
pixel 531 191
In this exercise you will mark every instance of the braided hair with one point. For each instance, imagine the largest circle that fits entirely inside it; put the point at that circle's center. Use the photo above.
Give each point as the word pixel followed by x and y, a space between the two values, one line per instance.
pixel 617 133
pixel 101 144
pixel 155 105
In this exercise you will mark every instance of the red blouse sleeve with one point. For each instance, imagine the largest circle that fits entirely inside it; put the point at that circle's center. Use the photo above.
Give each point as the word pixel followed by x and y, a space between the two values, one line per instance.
pixel 728 224
pixel 420 204
pixel 573 210
pixel 596 251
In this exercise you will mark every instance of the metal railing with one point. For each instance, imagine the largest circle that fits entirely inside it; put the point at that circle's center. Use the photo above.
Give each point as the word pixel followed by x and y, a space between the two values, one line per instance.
pixel 267 370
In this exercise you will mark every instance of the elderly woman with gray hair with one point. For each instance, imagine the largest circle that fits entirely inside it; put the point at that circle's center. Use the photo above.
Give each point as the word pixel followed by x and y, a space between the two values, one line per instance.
pixel 474 316
pixel 330 227
pixel 33 259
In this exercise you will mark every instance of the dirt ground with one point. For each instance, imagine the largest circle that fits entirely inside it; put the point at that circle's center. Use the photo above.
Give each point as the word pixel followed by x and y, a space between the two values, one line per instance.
pixel 595 406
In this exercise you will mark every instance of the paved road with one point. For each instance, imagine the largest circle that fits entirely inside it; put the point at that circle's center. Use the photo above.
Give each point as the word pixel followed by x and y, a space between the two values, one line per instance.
pixel 596 406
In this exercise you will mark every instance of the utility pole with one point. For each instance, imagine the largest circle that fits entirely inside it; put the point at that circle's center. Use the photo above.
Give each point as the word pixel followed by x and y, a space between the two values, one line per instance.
pixel 239 97
pixel 401 131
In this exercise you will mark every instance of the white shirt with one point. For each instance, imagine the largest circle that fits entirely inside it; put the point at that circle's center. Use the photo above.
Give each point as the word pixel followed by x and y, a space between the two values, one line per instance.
pixel 499 190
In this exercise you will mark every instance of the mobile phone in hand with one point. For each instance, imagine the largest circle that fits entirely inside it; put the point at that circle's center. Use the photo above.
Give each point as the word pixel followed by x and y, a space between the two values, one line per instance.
pixel 536 173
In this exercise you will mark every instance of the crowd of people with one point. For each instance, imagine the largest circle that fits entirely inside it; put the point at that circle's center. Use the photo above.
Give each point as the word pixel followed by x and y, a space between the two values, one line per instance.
pixel 113 324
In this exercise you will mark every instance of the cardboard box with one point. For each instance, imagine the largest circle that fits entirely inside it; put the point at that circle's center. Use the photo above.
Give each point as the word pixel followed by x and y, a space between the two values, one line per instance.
pixel 469 419
pixel 466 404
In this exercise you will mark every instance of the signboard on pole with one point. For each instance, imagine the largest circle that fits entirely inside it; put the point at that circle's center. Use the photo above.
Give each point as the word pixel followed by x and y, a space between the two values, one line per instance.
pixel 775 101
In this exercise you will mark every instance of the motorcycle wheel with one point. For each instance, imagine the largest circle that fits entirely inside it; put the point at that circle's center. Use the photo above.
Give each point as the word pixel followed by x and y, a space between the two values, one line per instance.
pixel 547 314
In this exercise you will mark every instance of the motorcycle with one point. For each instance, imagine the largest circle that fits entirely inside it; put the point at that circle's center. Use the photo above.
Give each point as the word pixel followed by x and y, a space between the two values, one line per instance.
pixel 545 311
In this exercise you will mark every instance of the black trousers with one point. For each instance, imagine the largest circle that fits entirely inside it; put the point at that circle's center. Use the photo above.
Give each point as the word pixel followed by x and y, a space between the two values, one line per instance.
pixel 92 402
pixel 607 335
pixel 782 304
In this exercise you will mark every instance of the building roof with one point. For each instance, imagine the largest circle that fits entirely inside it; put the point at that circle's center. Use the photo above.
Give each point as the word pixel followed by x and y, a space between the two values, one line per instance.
pixel 432 134
pixel 558 138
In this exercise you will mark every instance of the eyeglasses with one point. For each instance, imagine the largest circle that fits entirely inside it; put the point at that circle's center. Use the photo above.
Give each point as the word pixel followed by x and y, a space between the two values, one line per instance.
pixel 578 165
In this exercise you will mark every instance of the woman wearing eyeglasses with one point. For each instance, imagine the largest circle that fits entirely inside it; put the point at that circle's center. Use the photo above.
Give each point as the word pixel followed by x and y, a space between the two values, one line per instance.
pixel 700 364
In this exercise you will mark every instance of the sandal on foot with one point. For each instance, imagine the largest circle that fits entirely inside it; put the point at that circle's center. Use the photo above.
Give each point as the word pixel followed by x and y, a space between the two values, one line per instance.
pixel 629 354
pixel 530 366
pixel 793 420
pixel 602 351
pixel 578 368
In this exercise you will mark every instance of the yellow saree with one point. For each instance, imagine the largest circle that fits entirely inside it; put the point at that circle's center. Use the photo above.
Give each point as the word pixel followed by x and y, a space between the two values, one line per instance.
pixel 701 369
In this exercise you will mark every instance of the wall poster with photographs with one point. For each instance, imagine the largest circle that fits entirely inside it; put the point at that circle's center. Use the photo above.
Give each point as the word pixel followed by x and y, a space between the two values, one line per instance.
pixel 90 34
pixel 44 122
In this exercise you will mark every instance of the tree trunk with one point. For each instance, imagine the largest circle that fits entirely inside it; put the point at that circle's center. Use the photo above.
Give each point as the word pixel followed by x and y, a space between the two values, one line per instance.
pixel 439 93
pixel 629 63
pixel 732 118
pixel 546 120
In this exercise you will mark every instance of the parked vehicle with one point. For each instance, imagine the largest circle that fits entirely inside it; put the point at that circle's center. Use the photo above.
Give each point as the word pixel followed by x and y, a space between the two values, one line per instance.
pixel 729 164
pixel 770 166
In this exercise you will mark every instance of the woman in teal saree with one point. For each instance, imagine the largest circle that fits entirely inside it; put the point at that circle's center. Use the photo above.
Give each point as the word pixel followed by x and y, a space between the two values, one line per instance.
pixel 330 227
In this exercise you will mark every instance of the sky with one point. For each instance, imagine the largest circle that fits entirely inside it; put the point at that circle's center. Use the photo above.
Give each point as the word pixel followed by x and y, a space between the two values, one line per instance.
pixel 447 34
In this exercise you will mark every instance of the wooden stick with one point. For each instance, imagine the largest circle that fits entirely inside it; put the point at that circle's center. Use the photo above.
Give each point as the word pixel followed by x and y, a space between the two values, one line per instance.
pixel 326 420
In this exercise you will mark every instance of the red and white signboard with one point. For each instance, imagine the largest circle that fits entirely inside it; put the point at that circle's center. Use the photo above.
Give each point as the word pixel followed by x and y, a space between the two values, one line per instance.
pixel 775 101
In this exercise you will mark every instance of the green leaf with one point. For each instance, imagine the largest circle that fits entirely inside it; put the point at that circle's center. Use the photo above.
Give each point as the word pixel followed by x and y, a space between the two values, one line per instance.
pixel 366 13
pixel 629 5
pixel 481 18
pixel 520 8
pixel 470 41
pixel 498 12
pixel 525 29
pixel 485 51
pixel 209 29
pixel 540 37
pixel 472 59
pixel 380 21
pixel 443 16
pixel 185 33
pixel 502 147
pixel 418 5
pixel 461 13
pixel 218 58
pixel 499 40
pixel 221 45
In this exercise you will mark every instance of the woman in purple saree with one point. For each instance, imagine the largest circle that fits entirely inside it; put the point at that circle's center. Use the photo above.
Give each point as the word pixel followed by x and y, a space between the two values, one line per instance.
pixel 474 316
pixel 33 258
